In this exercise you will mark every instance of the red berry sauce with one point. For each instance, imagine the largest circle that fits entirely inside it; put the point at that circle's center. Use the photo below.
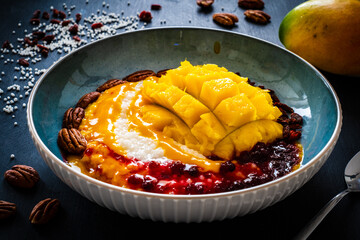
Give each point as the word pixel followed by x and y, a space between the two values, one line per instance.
pixel 263 163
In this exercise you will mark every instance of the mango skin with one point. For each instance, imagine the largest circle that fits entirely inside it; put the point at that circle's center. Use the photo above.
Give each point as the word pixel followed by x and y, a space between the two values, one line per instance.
pixel 326 33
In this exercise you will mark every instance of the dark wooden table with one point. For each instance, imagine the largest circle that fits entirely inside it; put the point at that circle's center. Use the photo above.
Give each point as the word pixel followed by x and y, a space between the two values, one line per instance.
pixel 81 219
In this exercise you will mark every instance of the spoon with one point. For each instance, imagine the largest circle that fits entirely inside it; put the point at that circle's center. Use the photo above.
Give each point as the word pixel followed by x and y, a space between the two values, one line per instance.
pixel 352 179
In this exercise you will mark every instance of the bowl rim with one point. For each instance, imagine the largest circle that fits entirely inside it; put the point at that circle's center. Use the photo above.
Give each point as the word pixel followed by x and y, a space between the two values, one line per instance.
pixel 109 186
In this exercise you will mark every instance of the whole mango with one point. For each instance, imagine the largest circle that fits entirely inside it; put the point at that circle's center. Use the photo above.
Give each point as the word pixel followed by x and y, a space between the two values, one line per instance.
pixel 326 33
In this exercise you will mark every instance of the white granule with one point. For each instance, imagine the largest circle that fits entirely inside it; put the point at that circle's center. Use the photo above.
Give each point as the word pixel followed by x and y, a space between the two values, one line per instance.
pixel 63 43
pixel 8 109
pixel 136 146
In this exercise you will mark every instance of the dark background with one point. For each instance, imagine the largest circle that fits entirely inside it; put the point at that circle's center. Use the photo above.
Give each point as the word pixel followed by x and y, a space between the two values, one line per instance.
pixel 79 218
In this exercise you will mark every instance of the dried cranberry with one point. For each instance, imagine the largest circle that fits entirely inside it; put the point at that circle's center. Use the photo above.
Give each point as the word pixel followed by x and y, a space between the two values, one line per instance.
pixel 283 119
pixel 296 118
pixel 39 34
pixel 193 171
pixel 226 167
pixel 46 15
pixel 294 135
pixel 286 131
pixel 244 157
pixel 65 23
pixel 6 44
pixel 96 25
pixel 237 185
pixel 155 6
pixel 35 21
pixel 149 183
pixel 273 96
pixel 295 126
pixel 55 13
pixel 78 17
pixel 145 16
pixel 89 151
pixel 77 38
pixel 55 21
pixel 23 62
pixel 195 188
pixel 284 107
pixel 36 14
pixel 41 47
pixel 62 15
pixel 29 42
pixel 135 179
pixel 259 152
pixel 74 29
pixel 153 165
pixel 44 52
pixel 48 38
pixel 177 168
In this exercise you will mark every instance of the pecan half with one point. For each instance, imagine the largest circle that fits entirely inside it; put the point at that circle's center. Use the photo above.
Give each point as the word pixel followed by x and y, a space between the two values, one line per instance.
pixel 109 84
pixel 139 75
pixel 204 3
pixel 257 16
pixel 225 19
pixel 162 72
pixel 73 117
pixel 251 4
pixel 71 141
pixel 44 211
pixel 88 98
pixel 22 176
pixel 7 209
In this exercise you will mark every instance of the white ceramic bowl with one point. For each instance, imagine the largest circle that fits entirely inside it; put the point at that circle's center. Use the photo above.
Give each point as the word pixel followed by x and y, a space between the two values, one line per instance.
pixel 297 84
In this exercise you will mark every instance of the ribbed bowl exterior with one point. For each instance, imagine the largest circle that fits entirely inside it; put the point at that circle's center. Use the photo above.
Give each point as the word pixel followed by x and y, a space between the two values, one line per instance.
pixel 183 208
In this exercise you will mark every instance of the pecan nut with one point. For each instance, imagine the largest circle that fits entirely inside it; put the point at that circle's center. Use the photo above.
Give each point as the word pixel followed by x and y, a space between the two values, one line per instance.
pixel 139 75
pixel 251 4
pixel 44 211
pixel 257 16
pixel 204 3
pixel 162 72
pixel 73 117
pixel 7 209
pixel 71 141
pixel 22 176
pixel 88 98
pixel 109 84
pixel 225 19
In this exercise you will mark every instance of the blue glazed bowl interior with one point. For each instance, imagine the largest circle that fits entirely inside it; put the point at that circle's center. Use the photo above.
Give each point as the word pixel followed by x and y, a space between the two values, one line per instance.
pixel 296 83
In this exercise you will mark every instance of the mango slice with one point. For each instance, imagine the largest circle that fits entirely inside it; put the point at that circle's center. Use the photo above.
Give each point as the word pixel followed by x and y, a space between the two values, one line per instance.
pixel 210 110
pixel 214 91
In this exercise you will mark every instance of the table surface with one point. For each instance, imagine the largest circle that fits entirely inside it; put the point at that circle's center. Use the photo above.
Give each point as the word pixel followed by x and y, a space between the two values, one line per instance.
pixel 80 218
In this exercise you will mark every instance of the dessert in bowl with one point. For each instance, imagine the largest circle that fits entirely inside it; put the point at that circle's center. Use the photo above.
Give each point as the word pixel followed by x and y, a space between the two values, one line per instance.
pixel 195 169
pixel 189 130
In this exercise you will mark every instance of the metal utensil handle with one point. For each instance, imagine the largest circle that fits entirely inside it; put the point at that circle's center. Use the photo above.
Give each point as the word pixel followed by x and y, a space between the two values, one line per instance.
pixel 315 221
